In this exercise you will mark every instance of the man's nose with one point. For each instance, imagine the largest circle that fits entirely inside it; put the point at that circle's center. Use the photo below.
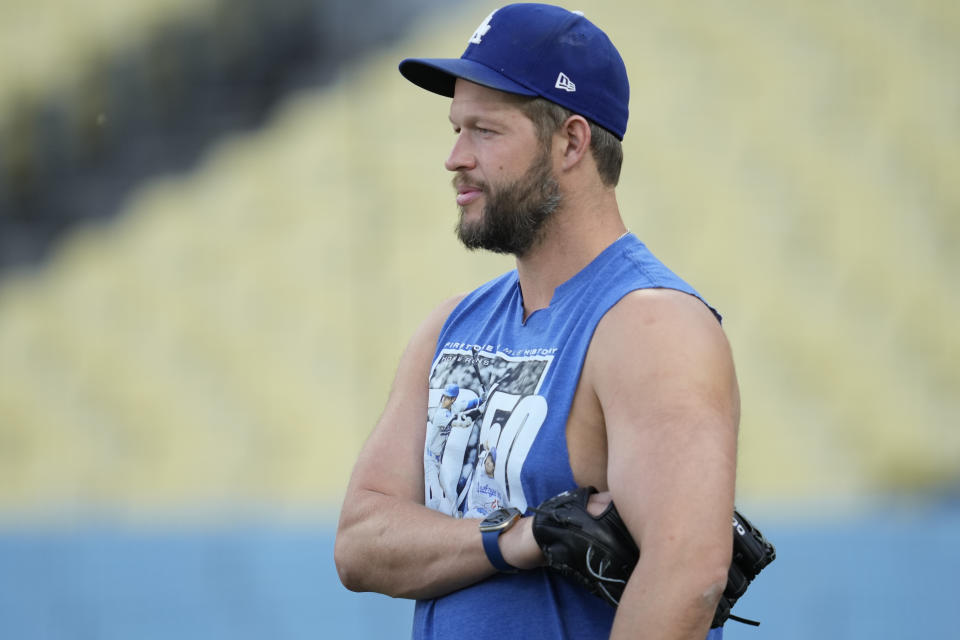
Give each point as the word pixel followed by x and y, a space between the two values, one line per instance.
pixel 461 157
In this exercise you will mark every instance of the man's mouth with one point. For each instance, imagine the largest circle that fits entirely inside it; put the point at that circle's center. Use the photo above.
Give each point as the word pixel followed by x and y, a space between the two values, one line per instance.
pixel 467 195
pixel 466 192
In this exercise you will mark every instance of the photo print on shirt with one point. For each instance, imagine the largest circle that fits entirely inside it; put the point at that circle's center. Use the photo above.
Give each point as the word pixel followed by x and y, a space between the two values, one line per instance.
pixel 483 416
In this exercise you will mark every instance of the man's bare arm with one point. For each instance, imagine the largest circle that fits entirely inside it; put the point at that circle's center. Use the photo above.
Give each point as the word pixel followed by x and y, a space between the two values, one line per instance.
pixel 387 540
pixel 662 371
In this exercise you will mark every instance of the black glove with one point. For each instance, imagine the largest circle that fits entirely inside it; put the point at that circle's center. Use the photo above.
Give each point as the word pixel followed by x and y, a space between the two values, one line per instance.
pixel 751 553
pixel 599 552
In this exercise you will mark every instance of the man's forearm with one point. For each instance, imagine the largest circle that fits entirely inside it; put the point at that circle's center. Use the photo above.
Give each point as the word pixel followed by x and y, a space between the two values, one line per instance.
pixel 403 549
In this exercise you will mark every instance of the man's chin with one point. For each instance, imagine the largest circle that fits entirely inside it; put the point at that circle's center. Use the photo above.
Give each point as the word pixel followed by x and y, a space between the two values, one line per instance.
pixel 468 236
pixel 470 222
pixel 473 210
pixel 471 232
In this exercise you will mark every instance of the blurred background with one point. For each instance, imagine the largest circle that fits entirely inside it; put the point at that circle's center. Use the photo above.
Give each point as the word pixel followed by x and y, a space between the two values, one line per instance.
pixel 220 221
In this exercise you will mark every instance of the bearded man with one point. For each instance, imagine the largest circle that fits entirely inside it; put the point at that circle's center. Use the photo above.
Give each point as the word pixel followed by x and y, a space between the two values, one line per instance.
pixel 612 371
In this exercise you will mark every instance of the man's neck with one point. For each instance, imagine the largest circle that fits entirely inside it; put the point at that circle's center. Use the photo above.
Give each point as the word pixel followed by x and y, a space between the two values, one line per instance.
pixel 571 241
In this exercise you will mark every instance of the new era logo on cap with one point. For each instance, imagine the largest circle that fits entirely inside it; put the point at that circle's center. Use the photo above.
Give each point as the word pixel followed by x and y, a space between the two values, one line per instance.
pixel 565 83
pixel 521 49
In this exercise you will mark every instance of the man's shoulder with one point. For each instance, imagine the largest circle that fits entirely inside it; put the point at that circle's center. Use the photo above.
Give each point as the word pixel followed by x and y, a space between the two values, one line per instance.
pixel 647 329
pixel 629 265
pixel 442 311
pixel 650 332
pixel 646 307
pixel 664 299
pixel 425 337
pixel 438 318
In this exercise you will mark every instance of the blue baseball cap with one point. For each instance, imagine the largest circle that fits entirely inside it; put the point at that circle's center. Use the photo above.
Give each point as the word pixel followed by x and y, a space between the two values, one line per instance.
pixel 538 50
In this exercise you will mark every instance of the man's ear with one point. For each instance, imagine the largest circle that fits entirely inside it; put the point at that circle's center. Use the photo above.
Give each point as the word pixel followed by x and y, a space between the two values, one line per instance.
pixel 576 140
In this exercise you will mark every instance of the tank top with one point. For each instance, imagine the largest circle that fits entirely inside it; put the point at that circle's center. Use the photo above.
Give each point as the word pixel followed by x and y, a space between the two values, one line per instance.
pixel 519 378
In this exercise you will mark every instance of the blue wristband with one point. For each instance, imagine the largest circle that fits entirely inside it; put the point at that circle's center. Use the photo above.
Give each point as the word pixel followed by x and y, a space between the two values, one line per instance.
pixel 491 544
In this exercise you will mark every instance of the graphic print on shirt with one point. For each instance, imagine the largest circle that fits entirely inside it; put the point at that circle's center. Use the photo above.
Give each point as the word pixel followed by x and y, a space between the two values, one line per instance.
pixel 484 414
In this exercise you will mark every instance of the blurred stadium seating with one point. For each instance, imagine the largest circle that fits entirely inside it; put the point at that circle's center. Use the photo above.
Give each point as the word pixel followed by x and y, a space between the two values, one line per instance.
pixel 97 96
pixel 220 349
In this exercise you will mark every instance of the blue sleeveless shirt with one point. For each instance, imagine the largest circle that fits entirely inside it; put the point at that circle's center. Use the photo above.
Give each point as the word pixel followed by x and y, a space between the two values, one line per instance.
pixel 500 393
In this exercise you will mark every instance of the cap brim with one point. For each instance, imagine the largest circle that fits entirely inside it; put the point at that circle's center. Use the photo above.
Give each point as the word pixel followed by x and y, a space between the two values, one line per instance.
pixel 439 75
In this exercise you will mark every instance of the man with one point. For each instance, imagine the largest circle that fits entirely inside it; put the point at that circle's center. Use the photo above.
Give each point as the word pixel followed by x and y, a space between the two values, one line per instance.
pixel 485 493
pixel 449 414
pixel 611 371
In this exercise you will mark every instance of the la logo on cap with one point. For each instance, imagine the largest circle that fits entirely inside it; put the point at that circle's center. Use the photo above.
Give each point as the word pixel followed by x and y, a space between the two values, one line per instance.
pixel 482 29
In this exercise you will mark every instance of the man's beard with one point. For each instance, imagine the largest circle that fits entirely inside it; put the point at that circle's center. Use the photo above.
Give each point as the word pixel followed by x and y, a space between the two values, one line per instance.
pixel 515 214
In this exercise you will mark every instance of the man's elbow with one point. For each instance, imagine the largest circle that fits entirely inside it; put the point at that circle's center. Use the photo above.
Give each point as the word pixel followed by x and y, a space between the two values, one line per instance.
pixel 712 577
pixel 359 574
pixel 712 587
pixel 347 561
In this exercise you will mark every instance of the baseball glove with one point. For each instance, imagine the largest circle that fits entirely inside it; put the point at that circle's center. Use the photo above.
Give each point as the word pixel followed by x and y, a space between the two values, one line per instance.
pixel 600 554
